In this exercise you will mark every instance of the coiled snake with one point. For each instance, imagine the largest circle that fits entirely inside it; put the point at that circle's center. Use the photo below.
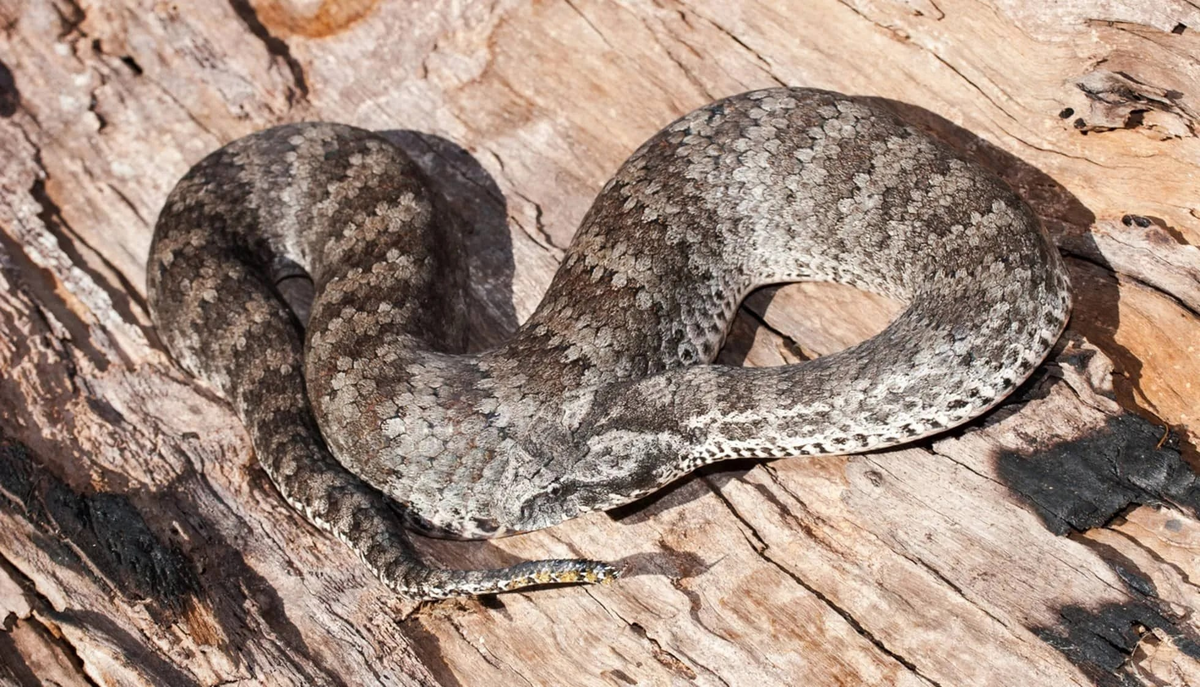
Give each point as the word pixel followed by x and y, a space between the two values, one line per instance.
pixel 606 393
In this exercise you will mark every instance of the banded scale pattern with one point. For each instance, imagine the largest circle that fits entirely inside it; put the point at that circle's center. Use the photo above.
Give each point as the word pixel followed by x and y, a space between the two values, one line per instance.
pixel 608 391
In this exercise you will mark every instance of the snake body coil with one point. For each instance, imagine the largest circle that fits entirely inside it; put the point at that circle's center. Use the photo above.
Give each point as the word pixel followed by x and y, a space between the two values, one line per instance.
pixel 607 392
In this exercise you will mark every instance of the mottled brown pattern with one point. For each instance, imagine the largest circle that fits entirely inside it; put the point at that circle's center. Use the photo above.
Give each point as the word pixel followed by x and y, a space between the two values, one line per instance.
pixel 329 18
pixel 607 392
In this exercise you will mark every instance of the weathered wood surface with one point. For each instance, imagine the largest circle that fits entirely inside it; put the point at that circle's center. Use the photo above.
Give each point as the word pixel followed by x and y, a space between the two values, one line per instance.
pixel 1053 543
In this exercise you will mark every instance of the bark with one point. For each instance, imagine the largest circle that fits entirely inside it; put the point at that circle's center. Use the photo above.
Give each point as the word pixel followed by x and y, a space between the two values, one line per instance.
pixel 1052 542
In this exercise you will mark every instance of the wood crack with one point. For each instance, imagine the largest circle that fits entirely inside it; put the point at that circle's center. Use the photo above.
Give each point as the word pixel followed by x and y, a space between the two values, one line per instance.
pixel 71 18
pixel 128 203
pixel 186 111
pixel 790 346
pixel 766 65
pixel 664 656
pixel 921 563
pixel 538 235
pixel 276 47
pixel 1184 575
pixel 539 226
pixel 969 82
pixel 1103 264
pixel 591 25
pixel 687 72
pixel 487 656
pixel 41 607
pixel 761 547
pixel 904 37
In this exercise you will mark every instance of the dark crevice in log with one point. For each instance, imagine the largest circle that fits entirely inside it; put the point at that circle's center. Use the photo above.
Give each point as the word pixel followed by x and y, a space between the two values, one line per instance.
pixel 132 64
pixel 102 534
pixel 1085 483
pixel 123 295
pixel 71 16
pixel 10 97
pixel 666 658
pixel 669 659
pixel 1101 641
pixel 1088 483
pixel 276 47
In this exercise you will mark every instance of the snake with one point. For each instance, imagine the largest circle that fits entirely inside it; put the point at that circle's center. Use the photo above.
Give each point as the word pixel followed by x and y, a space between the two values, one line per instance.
pixel 377 425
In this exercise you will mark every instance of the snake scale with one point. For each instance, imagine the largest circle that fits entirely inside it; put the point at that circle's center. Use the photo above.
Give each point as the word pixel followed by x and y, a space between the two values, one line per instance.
pixel 374 421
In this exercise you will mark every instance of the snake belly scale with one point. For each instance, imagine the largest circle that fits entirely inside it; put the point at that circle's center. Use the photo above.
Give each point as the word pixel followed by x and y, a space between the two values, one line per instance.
pixel 375 422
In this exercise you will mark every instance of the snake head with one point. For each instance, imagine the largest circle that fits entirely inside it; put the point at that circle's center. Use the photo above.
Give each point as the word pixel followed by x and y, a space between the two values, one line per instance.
pixel 617 467
pixel 550 505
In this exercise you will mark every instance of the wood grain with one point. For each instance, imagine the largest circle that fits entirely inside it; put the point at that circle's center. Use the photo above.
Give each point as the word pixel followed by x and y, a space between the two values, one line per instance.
pixel 1052 543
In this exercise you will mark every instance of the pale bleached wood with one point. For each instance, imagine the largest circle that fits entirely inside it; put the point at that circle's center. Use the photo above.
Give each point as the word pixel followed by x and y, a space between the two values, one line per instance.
pixel 141 536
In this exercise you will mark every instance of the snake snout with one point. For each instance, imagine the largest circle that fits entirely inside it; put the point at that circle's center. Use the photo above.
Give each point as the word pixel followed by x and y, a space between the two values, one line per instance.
pixel 547 506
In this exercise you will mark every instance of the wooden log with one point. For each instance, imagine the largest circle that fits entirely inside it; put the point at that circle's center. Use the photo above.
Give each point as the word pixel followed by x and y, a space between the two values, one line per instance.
pixel 1052 542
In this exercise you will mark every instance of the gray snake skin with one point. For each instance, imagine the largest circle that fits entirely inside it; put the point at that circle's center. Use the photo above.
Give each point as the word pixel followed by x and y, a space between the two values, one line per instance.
pixel 375 422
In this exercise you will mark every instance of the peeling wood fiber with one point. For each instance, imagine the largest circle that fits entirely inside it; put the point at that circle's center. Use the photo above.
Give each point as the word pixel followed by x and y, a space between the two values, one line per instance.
pixel 1053 542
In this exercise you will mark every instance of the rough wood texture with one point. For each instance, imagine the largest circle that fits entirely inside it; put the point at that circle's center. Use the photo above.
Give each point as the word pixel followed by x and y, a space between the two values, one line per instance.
pixel 1054 543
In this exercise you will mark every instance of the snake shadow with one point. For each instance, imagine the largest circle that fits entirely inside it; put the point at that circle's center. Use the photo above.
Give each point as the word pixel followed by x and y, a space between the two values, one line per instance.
pixel 478 212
